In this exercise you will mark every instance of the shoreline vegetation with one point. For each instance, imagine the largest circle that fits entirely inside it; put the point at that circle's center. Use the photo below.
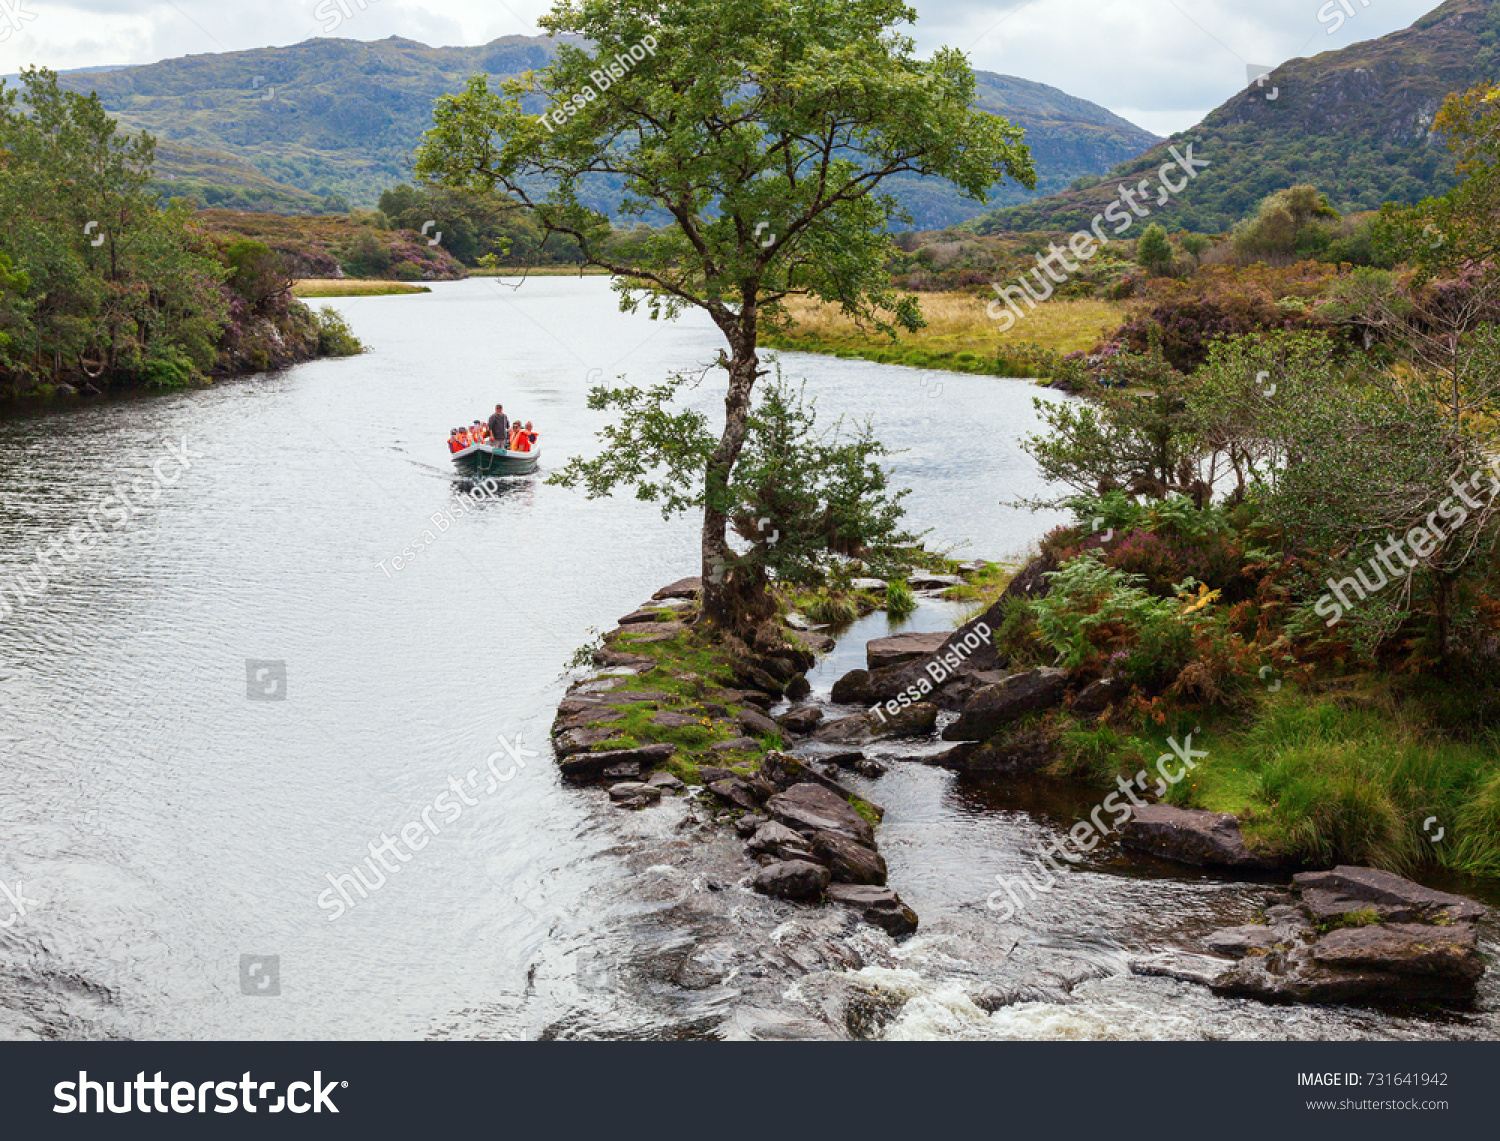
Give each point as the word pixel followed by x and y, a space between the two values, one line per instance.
pixel 958 336
pixel 140 295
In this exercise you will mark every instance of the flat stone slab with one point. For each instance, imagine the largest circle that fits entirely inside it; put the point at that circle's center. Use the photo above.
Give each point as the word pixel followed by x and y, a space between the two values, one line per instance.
pixel 605 656
pixel 1184 966
pixel 809 808
pixel 1403 949
pixel 1237 942
pixel 924 580
pixel 580 740
pixel 645 634
pixel 735 745
pixel 585 768
pixel 666 719
pixel 638 617
pixel 901 648
pixel 682 588
pixel 1386 890
pixel 879 906
pixel 1190 836
pixel 867 584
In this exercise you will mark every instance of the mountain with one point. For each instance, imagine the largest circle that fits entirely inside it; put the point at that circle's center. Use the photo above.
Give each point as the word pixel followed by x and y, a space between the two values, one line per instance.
pixel 342 117
pixel 1356 123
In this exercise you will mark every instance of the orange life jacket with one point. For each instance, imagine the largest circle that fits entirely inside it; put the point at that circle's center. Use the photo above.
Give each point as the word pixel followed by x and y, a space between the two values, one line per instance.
pixel 455 445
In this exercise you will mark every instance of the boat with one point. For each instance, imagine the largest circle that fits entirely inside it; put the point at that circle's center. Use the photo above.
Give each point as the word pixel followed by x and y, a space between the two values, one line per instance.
pixel 486 459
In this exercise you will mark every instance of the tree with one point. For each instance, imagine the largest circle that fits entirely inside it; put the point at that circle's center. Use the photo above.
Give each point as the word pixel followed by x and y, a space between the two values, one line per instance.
pixel 763 129
pixel 1154 251
pixel 1291 223
pixel 1441 234
pixel 802 495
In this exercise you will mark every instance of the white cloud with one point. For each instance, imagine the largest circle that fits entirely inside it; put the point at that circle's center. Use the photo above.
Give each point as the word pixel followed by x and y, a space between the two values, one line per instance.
pixel 1160 63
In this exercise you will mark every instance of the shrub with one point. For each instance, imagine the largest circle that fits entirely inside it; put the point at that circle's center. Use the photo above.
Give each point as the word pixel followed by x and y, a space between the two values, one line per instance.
pixel 169 369
pixel 367 256
pixel 335 338
pixel 900 602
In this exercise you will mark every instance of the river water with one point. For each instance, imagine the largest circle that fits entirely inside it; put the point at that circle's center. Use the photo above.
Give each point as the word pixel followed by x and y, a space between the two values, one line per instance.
pixel 225 700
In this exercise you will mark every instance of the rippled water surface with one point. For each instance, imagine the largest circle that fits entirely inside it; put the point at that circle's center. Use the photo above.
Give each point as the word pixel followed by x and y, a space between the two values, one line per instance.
pixel 168 825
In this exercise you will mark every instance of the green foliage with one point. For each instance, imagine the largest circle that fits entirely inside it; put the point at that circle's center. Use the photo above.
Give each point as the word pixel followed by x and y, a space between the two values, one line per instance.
pixel 103 281
pixel 479 228
pixel 170 369
pixel 335 338
pixel 1154 251
pixel 900 602
pixel 1088 601
pixel 256 272
pixel 800 497
pixel 1290 225
pixel 367 255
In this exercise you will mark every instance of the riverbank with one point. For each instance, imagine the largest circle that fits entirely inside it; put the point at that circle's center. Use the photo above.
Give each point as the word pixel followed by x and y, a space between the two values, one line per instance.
pixel 670 716
pixel 959 335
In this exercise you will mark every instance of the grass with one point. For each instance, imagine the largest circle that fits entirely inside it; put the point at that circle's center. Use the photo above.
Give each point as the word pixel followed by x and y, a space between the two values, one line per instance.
pixel 538 271
pixel 984 586
pixel 959 335
pixel 352 287
pixel 1324 778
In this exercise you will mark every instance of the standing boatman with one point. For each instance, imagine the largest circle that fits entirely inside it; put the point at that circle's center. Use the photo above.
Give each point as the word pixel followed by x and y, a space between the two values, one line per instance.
pixel 500 427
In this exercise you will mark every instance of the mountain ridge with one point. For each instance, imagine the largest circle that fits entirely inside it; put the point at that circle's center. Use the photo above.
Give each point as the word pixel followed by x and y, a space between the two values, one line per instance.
pixel 336 117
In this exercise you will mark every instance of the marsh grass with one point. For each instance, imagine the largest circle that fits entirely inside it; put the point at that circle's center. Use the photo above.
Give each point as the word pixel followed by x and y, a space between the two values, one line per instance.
pixel 959 335
pixel 352 287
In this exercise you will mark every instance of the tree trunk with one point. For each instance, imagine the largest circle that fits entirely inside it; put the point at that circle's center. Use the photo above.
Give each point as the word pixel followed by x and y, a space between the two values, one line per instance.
pixel 730 596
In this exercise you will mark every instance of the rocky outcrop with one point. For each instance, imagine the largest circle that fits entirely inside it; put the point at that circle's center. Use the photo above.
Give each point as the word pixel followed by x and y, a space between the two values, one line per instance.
pixel 1190 836
pixel 1349 935
pixel 996 706
pixel 1330 895
pixel 800 721
pixel 682 588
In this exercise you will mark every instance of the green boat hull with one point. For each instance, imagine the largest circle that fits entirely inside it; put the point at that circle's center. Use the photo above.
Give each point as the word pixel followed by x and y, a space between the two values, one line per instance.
pixel 481 459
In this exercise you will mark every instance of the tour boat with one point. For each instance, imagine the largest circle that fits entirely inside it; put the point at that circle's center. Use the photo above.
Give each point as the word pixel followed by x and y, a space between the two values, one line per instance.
pixel 486 459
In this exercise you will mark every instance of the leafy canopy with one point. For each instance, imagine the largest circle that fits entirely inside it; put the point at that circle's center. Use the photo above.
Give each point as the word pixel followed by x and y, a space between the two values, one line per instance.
pixel 761 128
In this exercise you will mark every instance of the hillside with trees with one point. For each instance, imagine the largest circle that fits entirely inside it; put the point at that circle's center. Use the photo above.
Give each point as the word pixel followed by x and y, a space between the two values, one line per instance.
pixel 1357 123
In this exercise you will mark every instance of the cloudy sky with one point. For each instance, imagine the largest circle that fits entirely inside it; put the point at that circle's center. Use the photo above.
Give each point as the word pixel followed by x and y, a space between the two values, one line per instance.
pixel 1160 63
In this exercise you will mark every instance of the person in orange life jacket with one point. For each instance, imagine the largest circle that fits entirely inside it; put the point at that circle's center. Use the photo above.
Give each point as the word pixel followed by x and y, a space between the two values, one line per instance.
pixel 523 441
pixel 531 434
pixel 454 443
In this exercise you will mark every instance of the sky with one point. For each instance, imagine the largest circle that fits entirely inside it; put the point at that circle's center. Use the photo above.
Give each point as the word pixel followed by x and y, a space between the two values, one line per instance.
pixel 1162 64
